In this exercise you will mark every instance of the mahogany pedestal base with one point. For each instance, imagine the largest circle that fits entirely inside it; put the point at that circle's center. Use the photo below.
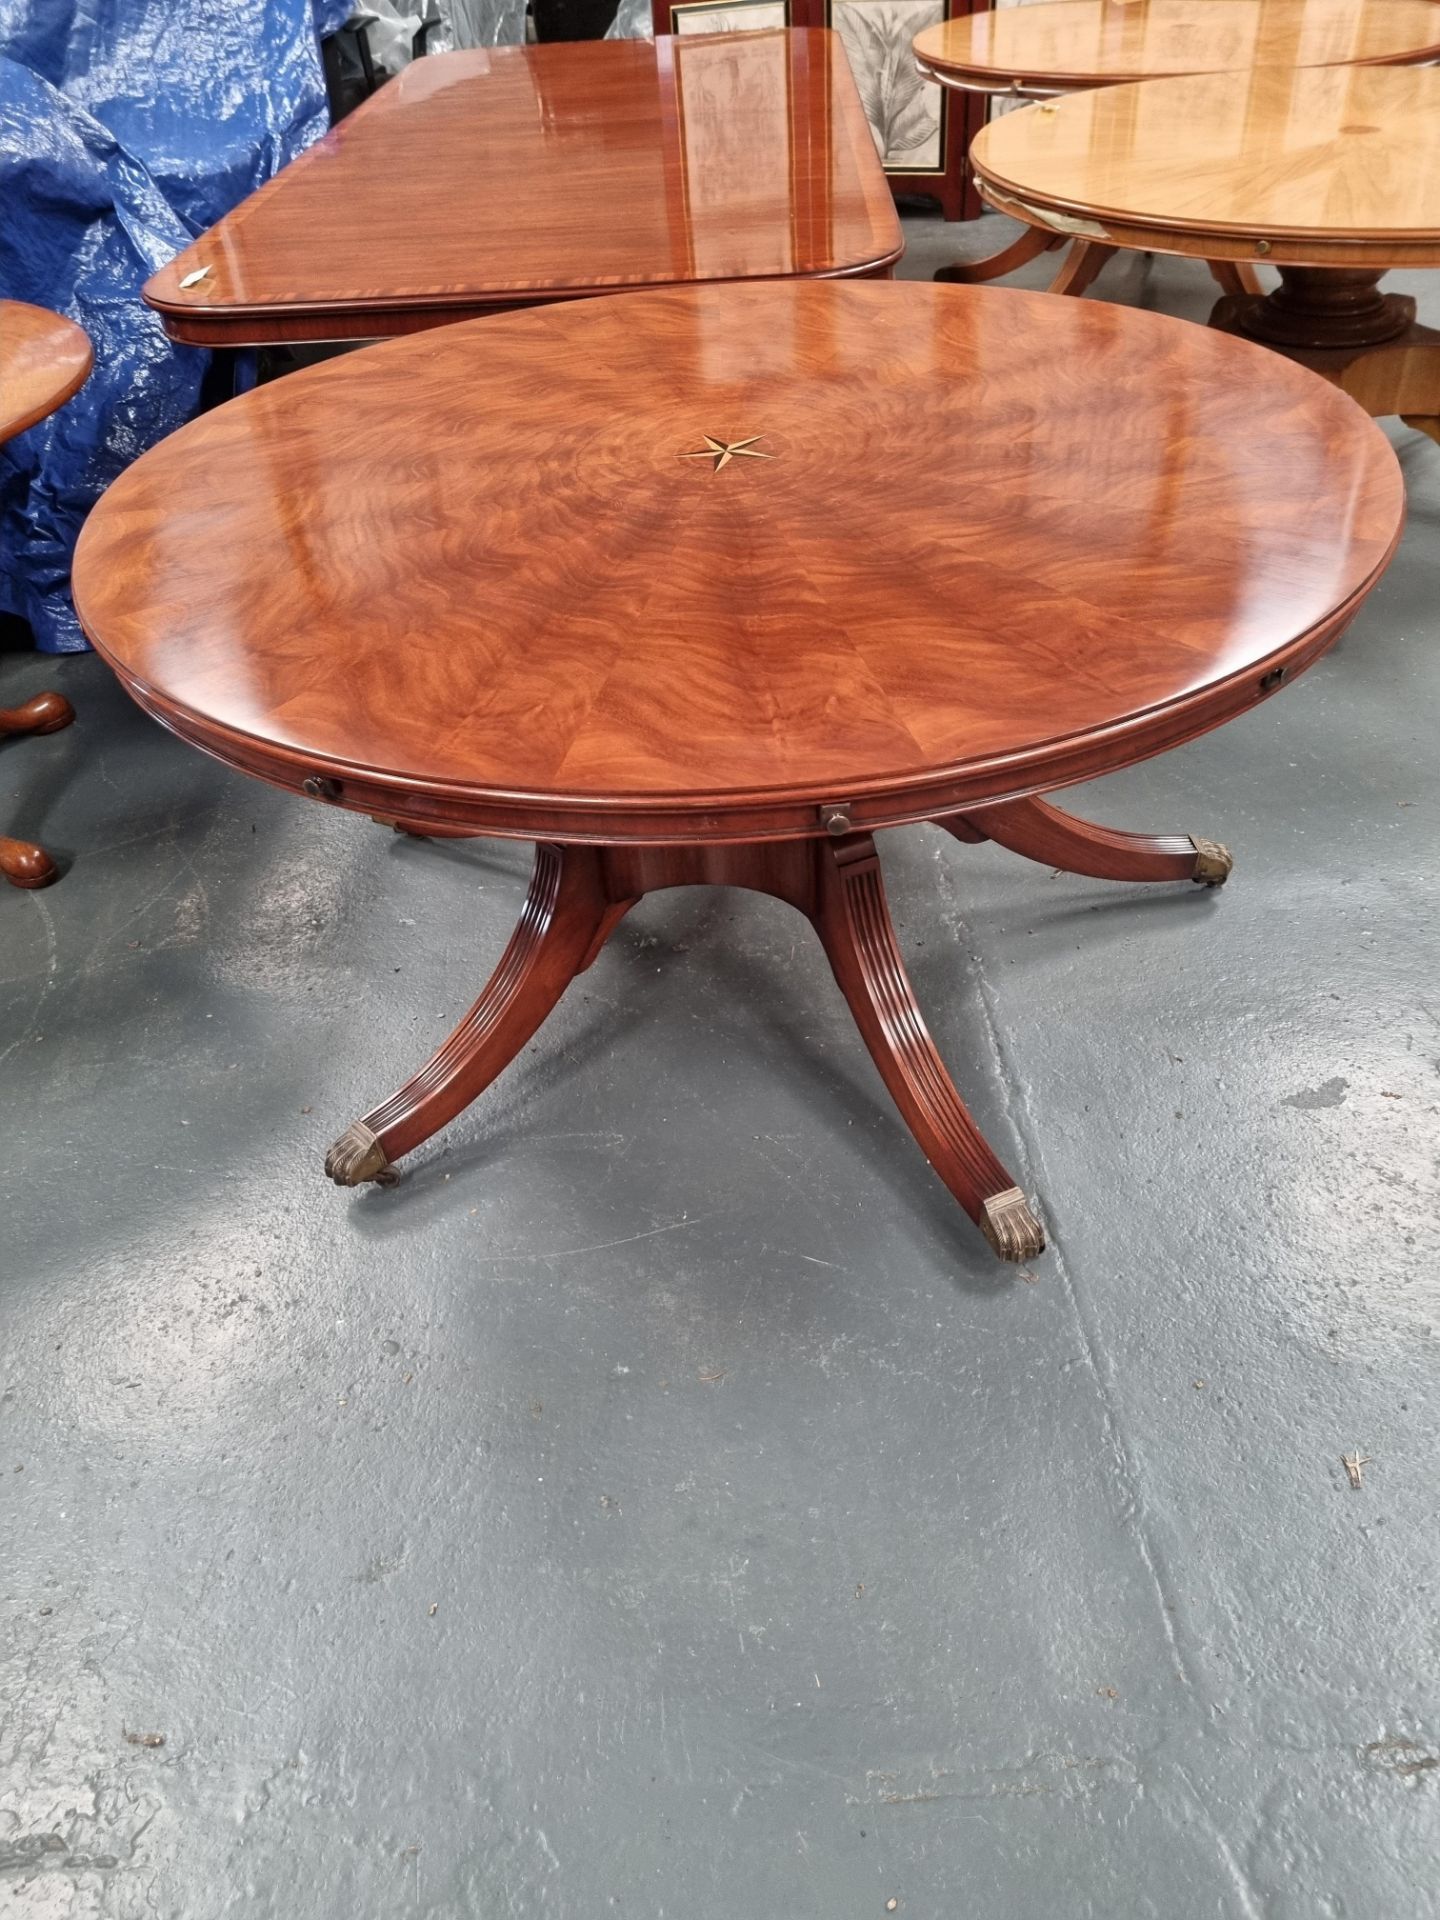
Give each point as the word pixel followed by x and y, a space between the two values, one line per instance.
pixel 1336 321
pixel 21 861
pixel 579 894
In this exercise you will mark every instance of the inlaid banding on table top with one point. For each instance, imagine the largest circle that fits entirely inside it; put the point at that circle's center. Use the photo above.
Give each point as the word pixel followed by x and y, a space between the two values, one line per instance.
pixel 1331 166
pixel 569 169
pixel 1061 46
pixel 1006 540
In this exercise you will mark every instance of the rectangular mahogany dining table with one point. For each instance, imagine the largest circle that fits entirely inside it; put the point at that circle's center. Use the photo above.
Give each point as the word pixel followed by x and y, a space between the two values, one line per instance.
pixel 507 176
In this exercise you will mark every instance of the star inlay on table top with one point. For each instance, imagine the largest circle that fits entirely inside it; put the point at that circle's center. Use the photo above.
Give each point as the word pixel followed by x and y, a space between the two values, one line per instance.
pixel 722 452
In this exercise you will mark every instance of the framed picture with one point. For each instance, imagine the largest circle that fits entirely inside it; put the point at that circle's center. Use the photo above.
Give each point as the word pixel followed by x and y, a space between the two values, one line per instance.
pixel 727 16
pixel 906 113
pixel 923 132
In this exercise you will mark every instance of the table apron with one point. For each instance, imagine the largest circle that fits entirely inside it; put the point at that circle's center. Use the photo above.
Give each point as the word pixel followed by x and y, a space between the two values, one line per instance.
pixel 1267 249
pixel 639 820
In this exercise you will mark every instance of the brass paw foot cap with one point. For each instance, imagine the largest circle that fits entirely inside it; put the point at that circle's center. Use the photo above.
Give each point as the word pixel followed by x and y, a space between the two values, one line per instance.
pixel 357 1156
pixel 1012 1226
pixel 1212 862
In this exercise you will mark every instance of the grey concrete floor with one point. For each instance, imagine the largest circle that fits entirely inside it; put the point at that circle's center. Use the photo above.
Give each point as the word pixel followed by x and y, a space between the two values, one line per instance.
pixel 661 1503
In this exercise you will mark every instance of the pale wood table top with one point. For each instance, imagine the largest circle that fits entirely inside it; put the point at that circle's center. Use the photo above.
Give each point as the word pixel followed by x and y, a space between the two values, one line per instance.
pixel 44 359
pixel 508 175
pixel 1327 166
pixel 1064 46
pixel 978 544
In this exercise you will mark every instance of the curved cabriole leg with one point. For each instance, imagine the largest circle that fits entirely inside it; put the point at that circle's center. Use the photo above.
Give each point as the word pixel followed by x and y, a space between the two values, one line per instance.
pixel 1041 832
pixel 21 861
pixel 423 829
pixel 1235 276
pixel 26 865
pixel 853 921
pixel 46 713
pixel 1031 244
pixel 1080 266
pixel 565 916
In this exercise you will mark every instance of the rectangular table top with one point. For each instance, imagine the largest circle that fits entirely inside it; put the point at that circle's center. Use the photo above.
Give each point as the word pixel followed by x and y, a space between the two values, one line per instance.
pixel 504 176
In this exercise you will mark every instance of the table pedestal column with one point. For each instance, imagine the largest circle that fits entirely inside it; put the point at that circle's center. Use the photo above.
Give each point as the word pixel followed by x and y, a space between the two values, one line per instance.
pixel 579 894
pixel 1337 322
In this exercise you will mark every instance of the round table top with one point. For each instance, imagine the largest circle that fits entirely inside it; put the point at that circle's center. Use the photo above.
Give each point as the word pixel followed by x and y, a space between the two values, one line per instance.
pixel 44 359
pixel 1346 156
pixel 704 563
pixel 1063 46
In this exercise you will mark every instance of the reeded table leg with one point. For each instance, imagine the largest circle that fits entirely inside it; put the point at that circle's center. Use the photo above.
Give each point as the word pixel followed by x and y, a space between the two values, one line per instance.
pixel 579 894
pixel 565 918
pixel 1030 245
pixel 853 921
pixel 1041 832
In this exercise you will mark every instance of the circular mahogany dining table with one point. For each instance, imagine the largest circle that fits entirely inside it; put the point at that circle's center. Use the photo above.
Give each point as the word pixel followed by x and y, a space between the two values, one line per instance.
pixel 1063 47
pixel 711 586
pixel 1332 175
pixel 45 359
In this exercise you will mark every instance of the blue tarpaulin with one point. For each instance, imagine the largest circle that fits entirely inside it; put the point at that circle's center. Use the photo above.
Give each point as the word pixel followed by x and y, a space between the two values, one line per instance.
pixel 126 128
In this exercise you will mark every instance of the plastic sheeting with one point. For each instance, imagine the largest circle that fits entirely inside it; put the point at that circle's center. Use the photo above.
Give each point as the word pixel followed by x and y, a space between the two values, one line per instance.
pixel 484 23
pixel 633 21
pixel 390 28
pixel 126 128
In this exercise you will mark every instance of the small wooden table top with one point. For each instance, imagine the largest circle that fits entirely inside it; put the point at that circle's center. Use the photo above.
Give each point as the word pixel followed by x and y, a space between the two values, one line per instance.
pixel 504 176
pixel 1065 46
pixel 44 359
pixel 705 585
pixel 1330 166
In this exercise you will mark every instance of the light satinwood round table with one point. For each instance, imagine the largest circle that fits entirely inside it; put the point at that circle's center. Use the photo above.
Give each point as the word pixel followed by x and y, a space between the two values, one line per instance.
pixel 45 359
pixel 1072 46
pixel 1331 175
pixel 709 586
